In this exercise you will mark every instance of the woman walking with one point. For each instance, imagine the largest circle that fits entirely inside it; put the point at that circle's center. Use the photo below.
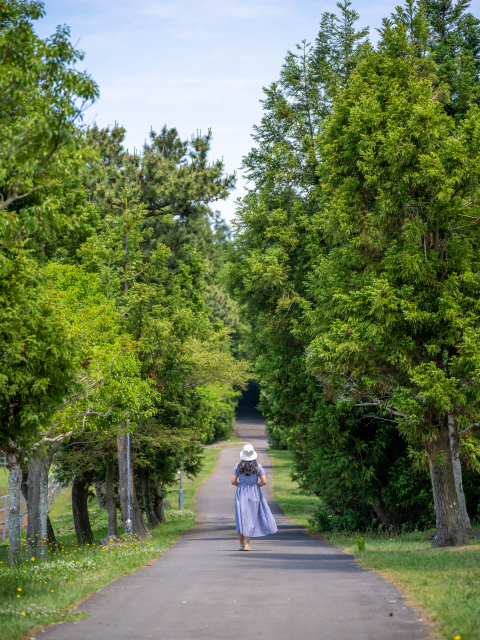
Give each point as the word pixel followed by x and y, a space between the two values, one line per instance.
pixel 252 513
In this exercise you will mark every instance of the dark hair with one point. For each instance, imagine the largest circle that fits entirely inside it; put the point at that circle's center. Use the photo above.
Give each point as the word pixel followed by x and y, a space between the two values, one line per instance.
pixel 247 468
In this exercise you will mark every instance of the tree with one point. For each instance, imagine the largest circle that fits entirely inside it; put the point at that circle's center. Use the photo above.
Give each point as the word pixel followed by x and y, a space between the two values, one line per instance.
pixel 395 282
pixel 128 323
pixel 294 107
pixel 270 256
pixel 454 40
pixel 109 384
pixel 39 355
pixel 43 98
pixel 42 101
pixel 37 370
pixel 163 309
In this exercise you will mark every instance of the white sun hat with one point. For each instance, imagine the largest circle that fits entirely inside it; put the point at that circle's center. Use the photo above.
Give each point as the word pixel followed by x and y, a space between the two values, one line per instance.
pixel 248 454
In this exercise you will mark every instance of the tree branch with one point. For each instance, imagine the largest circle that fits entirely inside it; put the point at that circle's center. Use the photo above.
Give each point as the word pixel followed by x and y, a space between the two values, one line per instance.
pixel 378 404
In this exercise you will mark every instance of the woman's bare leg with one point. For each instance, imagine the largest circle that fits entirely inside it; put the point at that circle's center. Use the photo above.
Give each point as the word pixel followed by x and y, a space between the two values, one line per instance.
pixel 240 537
pixel 247 540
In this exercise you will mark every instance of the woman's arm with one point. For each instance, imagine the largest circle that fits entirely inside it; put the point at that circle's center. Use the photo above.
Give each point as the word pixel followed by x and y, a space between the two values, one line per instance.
pixel 235 480
pixel 263 481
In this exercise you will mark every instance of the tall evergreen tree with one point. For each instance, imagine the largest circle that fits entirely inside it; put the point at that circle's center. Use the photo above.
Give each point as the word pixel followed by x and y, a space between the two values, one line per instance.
pixel 270 260
pixel 454 40
pixel 395 284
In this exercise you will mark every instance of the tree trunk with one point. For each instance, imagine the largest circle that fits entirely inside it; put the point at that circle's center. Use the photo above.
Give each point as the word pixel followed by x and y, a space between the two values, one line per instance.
pixel 100 493
pixel 24 485
pixel 125 480
pixel 450 528
pixel 81 518
pixel 152 520
pixel 159 510
pixel 110 498
pixel 37 501
pixel 457 474
pixel 15 488
pixel 382 512
pixel 52 541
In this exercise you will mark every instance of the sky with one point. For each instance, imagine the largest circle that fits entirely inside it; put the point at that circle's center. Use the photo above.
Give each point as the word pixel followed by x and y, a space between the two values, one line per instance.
pixel 192 64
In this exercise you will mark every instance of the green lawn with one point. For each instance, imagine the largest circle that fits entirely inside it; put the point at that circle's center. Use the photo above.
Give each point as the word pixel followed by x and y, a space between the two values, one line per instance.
pixel 445 583
pixel 296 504
pixel 37 593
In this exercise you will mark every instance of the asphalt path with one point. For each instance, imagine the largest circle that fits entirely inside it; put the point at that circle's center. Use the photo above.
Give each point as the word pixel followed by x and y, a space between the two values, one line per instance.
pixel 290 587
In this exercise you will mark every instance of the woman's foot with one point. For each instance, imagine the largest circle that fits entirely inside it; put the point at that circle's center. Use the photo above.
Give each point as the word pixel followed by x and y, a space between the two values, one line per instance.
pixel 247 547
pixel 242 547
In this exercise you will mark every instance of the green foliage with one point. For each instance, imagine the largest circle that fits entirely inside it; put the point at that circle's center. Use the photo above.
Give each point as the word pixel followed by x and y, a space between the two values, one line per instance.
pixel 168 162
pixel 349 521
pixel 77 220
pixel 40 356
pixel 297 504
pixel 106 258
pixel 43 98
pixel 110 374
pixel 222 401
pixel 350 253
pixel 115 253
pixel 284 157
pixel 360 452
pixel 271 255
pixel 396 292
pixel 454 40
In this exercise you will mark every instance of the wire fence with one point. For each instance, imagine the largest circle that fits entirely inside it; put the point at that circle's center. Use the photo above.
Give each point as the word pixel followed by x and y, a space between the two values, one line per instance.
pixel 53 489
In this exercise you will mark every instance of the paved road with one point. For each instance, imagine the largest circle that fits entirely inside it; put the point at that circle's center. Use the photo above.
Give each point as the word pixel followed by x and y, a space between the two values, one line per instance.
pixel 290 587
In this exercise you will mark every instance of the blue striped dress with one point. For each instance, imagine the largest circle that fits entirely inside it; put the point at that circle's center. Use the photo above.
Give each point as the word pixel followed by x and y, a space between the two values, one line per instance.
pixel 252 513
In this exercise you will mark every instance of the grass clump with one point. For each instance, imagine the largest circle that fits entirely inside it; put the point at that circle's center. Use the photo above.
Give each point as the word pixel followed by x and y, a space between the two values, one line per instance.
pixel 445 583
pixel 39 592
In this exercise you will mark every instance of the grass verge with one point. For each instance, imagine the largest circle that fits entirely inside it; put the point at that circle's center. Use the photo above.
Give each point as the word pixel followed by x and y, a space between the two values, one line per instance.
pixel 444 583
pixel 36 593
pixel 295 503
